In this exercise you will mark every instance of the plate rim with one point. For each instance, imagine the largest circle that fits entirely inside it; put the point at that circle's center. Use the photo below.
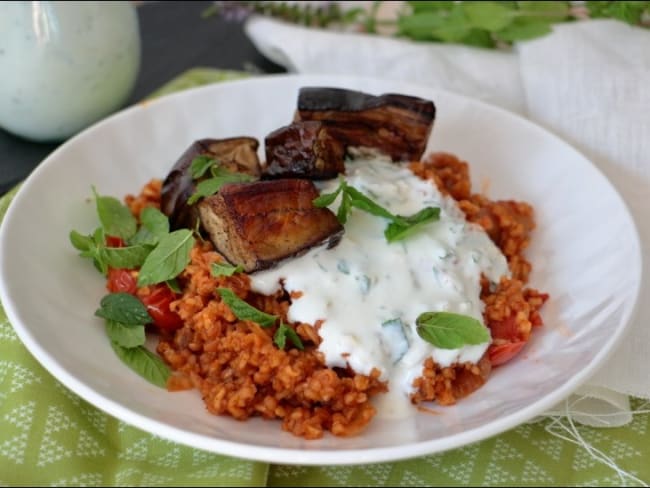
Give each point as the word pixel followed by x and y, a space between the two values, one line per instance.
pixel 308 456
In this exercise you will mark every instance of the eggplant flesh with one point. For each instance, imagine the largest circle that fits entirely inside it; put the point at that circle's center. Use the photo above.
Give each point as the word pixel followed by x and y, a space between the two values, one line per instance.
pixel 303 150
pixel 237 154
pixel 397 125
pixel 257 225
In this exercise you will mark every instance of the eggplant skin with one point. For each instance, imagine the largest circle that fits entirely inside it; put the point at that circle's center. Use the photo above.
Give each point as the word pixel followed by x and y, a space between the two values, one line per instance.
pixel 257 225
pixel 397 125
pixel 238 154
pixel 303 150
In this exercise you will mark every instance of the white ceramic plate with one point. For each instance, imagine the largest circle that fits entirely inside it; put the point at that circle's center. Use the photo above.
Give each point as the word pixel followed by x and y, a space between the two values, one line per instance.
pixel 585 252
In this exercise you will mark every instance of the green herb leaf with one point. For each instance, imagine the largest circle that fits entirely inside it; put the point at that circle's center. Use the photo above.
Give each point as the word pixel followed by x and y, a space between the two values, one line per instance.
pixel 448 330
pixel 488 15
pixel 123 308
pixel 326 199
pixel 116 219
pixel 155 225
pixel 125 335
pixel 173 285
pixel 225 269
pixel 362 202
pixel 402 227
pixel 80 241
pixel 144 362
pixel 522 30
pixel 244 311
pixel 200 165
pixel 168 258
pixel 211 186
pixel 551 10
pixel 344 208
pixel 126 257
pixel 284 332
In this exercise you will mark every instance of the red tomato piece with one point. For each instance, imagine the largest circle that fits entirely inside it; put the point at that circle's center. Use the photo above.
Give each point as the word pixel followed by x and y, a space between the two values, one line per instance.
pixel 504 329
pixel 157 303
pixel 121 280
pixel 502 353
pixel 112 241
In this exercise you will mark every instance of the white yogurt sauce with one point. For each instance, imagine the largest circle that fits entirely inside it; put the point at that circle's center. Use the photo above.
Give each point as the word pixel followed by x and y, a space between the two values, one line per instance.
pixel 369 292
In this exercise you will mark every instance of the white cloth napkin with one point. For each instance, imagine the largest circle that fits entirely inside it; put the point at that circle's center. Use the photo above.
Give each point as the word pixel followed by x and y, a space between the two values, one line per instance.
pixel 589 82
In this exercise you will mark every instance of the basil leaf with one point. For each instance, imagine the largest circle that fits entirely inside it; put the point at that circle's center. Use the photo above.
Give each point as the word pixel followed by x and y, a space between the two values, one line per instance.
pixel 361 201
pixel 144 362
pixel 80 241
pixel 225 269
pixel 125 335
pixel 521 30
pixel 155 226
pixel 124 308
pixel 209 187
pixel 244 311
pixel 284 332
pixel 126 257
pixel 447 330
pixel 200 165
pixel 168 258
pixel 402 227
pixel 116 219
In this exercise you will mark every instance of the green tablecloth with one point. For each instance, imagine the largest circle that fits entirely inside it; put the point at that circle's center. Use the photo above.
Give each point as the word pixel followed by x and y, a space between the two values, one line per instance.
pixel 50 436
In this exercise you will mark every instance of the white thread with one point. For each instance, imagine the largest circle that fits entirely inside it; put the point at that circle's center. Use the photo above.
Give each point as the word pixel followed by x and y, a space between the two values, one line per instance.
pixel 572 434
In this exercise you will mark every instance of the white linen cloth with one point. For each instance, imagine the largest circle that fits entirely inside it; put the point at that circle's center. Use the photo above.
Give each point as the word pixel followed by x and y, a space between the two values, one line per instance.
pixel 588 82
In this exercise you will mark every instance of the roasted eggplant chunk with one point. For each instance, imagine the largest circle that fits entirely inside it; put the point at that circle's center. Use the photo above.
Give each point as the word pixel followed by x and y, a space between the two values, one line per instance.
pixel 397 125
pixel 237 154
pixel 303 150
pixel 258 224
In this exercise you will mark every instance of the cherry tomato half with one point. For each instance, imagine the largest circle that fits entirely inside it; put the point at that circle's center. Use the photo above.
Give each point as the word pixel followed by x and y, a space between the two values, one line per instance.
pixel 503 353
pixel 157 303
pixel 121 280
pixel 112 241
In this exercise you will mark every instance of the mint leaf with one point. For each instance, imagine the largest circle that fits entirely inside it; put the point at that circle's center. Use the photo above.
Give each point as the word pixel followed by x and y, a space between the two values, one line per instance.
pixel 116 219
pixel 143 362
pixel 362 202
pixel 124 308
pixel 80 241
pixel 402 227
pixel 126 257
pixel 284 332
pixel 211 186
pixel 225 269
pixel 168 258
pixel 125 335
pixel 447 330
pixel 244 311
pixel 155 225
pixel 488 15
pixel 200 165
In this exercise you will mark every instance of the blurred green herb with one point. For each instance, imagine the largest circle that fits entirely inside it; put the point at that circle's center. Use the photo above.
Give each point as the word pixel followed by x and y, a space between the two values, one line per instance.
pixel 490 24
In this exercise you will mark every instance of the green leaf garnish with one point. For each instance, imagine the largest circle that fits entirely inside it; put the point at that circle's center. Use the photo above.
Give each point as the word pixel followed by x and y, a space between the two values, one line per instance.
pixel 200 165
pixel 399 227
pixel 225 269
pixel 123 308
pixel 125 335
pixel 404 226
pixel 244 311
pixel 211 186
pixel 126 257
pixel 144 362
pixel 80 241
pixel 155 225
pixel 284 332
pixel 173 285
pixel 447 330
pixel 168 258
pixel 115 217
